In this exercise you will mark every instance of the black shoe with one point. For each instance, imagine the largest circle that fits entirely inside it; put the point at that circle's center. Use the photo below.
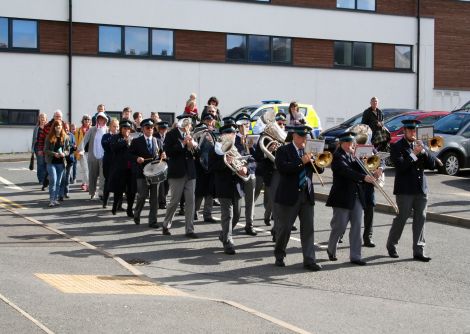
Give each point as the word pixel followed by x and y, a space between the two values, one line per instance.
pixel 137 220
pixel 120 208
pixel 330 256
pixel 181 212
pixel 393 254
pixel 280 263
pixel 229 251
pixel 250 231
pixel 273 234
pixel 215 203
pixel 67 196
pixel 312 266
pixel 130 214
pixel 113 211
pixel 43 188
pixel 162 206
pixel 358 262
pixel 61 199
pixel 104 206
pixel 369 243
pixel 340 241
pixel 192 235
pixel 211 220
pixel 166 231
pixel 267 222
pixel 155 225
pixel 196 216
pixel 422 258
pixel 293 228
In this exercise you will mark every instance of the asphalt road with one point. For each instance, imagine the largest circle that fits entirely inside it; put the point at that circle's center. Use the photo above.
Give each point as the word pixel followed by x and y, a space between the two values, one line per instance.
pixel 387 295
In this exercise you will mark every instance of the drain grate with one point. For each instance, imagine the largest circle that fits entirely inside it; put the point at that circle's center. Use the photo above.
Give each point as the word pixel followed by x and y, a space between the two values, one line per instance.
pixel 138 262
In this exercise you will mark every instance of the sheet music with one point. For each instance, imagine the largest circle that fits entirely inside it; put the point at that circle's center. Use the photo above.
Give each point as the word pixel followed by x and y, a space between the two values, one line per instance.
pixel 315 146
pixel 252 139
pixel 424 133
pixel 362 151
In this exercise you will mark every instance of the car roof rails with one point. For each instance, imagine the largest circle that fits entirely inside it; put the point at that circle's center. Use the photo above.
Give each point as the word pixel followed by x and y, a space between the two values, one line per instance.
pixel 271 101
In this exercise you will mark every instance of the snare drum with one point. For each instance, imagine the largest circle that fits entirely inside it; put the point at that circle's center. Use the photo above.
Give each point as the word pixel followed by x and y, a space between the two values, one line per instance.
pixel 156 172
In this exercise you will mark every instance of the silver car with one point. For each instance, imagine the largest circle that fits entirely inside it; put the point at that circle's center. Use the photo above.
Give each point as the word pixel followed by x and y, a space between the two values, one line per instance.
pixel 455 129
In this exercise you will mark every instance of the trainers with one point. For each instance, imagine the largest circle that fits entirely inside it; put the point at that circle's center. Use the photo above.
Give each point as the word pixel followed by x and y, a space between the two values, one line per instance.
pixel 51 204
pixel 56 202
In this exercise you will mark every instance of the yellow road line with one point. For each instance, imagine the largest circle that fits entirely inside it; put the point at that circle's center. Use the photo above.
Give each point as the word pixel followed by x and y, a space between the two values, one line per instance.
pixel 10 203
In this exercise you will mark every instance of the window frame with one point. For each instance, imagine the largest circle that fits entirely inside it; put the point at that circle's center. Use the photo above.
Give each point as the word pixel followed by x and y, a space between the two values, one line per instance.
pixel 360 10
pixel 402 69
pixel 10 46
pixel 151 44
pixel 270 62
pixel 352 66
pixel 123 54
pixel 11 110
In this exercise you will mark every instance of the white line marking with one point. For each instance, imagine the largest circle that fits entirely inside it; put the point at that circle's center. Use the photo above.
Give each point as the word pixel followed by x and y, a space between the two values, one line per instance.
pixel 9 184
pixel 141 275
pixel 26 315
pixel 19 169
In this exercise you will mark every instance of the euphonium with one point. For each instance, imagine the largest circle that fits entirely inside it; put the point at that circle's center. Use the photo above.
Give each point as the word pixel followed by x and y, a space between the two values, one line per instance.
pixel 272 138
pixel 238 162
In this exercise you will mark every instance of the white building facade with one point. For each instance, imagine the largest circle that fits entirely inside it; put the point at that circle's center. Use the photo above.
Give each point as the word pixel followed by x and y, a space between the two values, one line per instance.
pixel 151 77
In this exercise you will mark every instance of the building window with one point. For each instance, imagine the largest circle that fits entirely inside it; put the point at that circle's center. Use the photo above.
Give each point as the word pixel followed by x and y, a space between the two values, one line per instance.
pixel 403 56
pixel 281 50
pixel 368 5
pixel 353 54
pixel 136 41
pixel 236 47
pixel 258 49
pixel 3 33
pixel 18 116
pixel 110 39
pixel 24 34
pixel 162 43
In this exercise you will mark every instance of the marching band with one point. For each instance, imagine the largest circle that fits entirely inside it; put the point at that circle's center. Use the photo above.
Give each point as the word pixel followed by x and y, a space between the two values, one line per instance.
pixel 223 160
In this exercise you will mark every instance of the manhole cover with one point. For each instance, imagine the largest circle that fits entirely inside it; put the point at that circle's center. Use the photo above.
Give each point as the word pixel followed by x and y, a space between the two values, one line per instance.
pixel 138 262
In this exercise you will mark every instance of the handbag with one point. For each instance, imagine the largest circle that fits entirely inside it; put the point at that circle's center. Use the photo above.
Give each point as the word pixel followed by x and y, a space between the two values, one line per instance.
pixel 31 162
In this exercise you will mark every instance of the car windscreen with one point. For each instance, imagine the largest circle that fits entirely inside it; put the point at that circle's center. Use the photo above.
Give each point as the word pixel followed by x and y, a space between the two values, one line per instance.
pixel 246 110
pixel 395 123
pixel 451 124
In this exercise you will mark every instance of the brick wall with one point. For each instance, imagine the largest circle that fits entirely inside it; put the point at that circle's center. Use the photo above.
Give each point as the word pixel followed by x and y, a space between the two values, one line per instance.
pixel 199 46
pixel 313 52
pixel 384 56
pixel 331 4
pixel 53 37
pixel 84 39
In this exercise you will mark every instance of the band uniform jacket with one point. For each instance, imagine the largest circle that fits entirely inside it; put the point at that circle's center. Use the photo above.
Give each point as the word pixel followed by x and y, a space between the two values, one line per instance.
pixel 180 159
pixel 264 166
pixel 139 148
pixel 290 165
pixel 160 139
pixel 225 180
pixel 409 174
pixel 348 179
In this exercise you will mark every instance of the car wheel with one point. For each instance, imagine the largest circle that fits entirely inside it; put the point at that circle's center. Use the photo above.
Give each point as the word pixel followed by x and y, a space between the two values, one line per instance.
pixel 451 164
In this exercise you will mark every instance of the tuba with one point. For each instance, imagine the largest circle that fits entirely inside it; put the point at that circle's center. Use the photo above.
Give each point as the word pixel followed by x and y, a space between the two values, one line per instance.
pixel 227 146
pixel 272 137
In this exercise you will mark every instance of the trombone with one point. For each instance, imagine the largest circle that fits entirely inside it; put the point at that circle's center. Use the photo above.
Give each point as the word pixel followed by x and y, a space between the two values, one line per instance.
pixel 371 164
pixel 321 160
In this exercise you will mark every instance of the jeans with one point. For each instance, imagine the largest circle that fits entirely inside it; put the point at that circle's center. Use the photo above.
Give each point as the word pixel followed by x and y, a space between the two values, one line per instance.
pixel 41 167
pixel 64 184
pixel 56 171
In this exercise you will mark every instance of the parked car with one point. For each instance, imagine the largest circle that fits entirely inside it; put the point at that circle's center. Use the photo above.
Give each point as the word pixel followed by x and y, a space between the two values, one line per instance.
pixel 395 125
pixel 258 110
pixel 455 129
pixel 330 135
